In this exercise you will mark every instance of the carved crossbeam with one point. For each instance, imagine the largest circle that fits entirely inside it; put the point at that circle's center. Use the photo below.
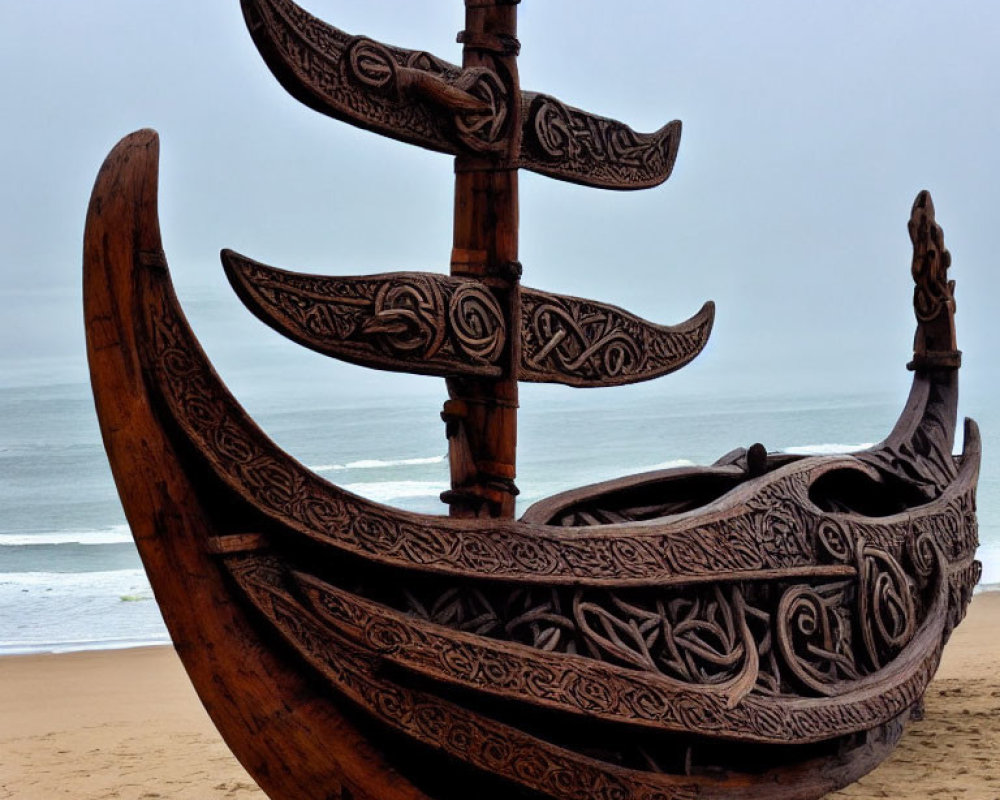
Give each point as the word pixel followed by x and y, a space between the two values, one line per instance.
pixel 418 98
pixel 447 326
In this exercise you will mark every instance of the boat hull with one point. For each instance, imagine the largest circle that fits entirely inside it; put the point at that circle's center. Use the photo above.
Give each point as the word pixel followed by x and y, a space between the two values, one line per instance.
pixel 349 650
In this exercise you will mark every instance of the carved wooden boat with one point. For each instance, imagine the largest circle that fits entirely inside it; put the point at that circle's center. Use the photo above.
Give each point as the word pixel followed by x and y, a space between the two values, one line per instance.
pixel 759 628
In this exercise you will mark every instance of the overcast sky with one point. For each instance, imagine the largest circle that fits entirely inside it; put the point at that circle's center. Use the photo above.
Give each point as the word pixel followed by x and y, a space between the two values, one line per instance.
pixel 809 128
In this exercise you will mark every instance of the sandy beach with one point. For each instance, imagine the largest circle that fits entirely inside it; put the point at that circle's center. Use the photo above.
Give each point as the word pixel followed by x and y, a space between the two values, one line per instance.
pixel 127 724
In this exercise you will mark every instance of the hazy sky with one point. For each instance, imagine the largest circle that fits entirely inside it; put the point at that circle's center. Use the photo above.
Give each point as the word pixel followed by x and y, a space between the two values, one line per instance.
pixel 808 129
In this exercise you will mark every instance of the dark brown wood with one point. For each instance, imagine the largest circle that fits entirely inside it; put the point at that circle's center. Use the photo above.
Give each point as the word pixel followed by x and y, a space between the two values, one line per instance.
pixel 418 98
pixel 430 324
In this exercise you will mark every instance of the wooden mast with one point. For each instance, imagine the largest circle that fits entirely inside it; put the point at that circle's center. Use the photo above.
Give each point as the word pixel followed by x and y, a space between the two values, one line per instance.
pixel 481 414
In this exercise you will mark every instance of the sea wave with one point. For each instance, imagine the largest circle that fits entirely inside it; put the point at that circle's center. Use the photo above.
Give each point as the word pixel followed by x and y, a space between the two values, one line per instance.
pixel 24 648
pixel 60 611
pixel 375 463
pixel 117 582
pixel 989 555
pixel 828 449
pixel 117 534
pixel 677 462
pixel 384 491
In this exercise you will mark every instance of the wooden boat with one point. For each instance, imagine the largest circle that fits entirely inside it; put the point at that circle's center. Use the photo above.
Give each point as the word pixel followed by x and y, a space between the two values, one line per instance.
pixel 759 628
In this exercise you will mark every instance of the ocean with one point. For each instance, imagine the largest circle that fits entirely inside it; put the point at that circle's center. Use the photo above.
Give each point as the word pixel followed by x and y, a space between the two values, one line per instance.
pixel 70 576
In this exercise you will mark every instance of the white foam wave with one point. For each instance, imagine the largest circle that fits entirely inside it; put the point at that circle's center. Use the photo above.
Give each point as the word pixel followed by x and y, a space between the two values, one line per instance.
pixel 375 463
pixel 829 449
pixel 63 611
pixel 118 534
pixel 989 555
pixel 384 491
pixel 677 462
pixel 23 648
pixel 118 582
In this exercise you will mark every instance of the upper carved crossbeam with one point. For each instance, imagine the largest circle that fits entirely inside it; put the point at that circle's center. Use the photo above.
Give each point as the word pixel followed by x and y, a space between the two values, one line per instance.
pixel 418 98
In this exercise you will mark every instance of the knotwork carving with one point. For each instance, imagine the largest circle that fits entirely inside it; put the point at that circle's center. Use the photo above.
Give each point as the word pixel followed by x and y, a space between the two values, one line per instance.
pixel 407 317
pixel 703 640
pixel 746 603
pixel 886 612
pixel 476 322
pixel 440 325
pixel 819 626
pixel 593 344
pixel 495 747
pixel 612 152
pixel 413 321
pixel 362 87
pixel 814 634
pixel 835 539
pixel 476 98
pixel 457 653
pixel 372 64
pixel 483 130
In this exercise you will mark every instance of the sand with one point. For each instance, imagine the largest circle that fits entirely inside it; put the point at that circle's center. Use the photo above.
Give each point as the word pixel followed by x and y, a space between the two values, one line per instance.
pixel 127 724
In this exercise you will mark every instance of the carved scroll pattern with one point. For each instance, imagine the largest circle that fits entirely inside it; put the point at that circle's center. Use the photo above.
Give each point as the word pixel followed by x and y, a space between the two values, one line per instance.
pixel 481 742
pixel 593 344
pixel 767 533
pixel 632 694
pixel 815 636
pixel 219 429
pixel 404 321
pixel 828 633
pixel 573 143
pixel 837 633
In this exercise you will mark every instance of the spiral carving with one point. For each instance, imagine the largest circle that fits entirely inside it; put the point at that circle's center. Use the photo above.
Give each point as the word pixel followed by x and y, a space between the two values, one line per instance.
pixel 886 611
pixel 814 636
pixel 552 127
pixel 372 65
pixel 375 67
pixel 834 538
pixel 483 131
pixel 477 322
pixel 611 152
pixel 408 317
